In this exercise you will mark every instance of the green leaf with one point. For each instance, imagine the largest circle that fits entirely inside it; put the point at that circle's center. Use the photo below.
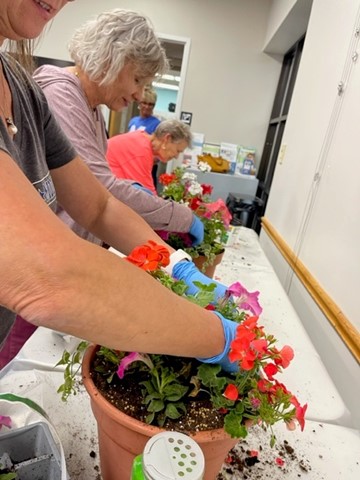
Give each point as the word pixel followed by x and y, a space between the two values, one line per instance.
pixel 156 406
pixel 73 364
pixel 7 476
pixel 172 410
pixel 149 387
pixel 108 354
pixel 207 372
pixel 233 425
pixel 174 392
pixel 150 418
pixel 10 397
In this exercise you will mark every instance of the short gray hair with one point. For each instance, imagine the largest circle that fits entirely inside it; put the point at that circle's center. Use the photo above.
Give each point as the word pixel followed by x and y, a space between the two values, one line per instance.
pixel 178 131
pixel 102 46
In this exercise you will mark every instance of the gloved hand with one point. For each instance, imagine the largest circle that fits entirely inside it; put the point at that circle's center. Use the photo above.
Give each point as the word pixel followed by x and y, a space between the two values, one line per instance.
pixel 189 273
pixel 223 359
pixel 197 231
pixel 141 187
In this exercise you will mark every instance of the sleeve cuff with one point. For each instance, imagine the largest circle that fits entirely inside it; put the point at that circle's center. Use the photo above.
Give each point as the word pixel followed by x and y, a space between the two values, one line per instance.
pixel 175 258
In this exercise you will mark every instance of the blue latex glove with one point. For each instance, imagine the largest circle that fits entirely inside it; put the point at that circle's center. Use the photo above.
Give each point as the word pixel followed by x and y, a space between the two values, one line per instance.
pixel 197 231
pixel 222 359
pixel 141 187
pixel 188 272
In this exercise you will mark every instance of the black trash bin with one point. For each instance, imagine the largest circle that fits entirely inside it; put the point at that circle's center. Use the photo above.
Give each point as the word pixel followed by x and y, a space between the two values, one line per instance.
pixel 243 209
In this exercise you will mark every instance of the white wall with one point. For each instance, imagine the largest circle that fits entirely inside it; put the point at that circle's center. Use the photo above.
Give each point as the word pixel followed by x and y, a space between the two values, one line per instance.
pixel 230 83
pixel 315 196
pixel 287 22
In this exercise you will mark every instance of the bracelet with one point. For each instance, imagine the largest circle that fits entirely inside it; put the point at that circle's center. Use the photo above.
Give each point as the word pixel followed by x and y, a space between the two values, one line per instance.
pixel 175 258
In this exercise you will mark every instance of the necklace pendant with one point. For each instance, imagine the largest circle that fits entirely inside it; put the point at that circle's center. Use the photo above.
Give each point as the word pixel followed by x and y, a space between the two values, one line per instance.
pixel 11 126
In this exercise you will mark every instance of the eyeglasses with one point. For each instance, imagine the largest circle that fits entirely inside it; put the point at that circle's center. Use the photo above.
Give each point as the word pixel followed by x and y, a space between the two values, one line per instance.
pixel 147 104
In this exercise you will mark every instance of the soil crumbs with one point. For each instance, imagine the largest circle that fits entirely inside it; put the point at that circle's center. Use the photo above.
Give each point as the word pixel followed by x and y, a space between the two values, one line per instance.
pixel 254 459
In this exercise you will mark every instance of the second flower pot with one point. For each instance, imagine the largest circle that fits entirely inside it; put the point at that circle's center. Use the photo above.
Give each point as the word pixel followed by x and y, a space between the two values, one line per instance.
pixel 209 271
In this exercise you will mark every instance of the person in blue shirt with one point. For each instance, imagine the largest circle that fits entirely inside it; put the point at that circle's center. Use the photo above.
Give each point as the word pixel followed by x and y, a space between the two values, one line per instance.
pixel 146 120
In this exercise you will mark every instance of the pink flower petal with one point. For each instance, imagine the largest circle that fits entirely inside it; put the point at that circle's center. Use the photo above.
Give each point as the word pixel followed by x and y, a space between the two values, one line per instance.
pixel 5 421
pixel 247 300
pixel 129 359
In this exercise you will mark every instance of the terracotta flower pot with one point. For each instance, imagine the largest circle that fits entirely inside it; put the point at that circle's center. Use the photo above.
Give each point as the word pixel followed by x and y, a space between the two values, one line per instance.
pixel 122 437
pixel 210 269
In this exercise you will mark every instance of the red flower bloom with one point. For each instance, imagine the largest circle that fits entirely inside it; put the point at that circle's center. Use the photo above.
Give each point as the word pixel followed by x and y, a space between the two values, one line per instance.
pixel 264 385
pixel 299 411
pixel 210 307
pixel 206 188
pixel 149 257
pixel 250 322
pixel 194 203
pixel 248 362
pixel 166 179
pixel 231 392
pixel 286 355
pixel 260 346
pixel 279 461
pixel 281 386
pixel 270 369
pixel 223 410
pixel 240 347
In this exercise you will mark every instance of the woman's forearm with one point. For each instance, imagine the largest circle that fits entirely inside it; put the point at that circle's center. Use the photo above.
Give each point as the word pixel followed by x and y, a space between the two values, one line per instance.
pixel 53 278
pixel 108 301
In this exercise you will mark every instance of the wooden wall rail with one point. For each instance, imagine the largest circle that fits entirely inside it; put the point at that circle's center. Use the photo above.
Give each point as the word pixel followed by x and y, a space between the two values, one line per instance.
pixel 332 312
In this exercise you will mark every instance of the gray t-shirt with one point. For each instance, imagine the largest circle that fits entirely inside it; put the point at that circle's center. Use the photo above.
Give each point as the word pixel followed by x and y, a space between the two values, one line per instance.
pixel 85 127
pixel 39 146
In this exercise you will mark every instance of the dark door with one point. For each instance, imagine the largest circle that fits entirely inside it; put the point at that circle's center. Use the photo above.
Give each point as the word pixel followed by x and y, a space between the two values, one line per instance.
pixel 276 128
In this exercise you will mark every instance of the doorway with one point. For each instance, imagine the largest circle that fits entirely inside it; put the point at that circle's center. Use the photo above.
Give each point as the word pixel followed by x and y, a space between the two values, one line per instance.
pixel 276 127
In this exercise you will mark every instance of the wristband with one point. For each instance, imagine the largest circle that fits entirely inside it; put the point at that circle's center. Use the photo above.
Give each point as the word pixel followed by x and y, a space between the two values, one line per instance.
pixel 175 258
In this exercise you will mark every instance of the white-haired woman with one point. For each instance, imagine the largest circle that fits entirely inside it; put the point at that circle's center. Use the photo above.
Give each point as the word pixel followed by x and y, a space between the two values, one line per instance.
pixel 115 54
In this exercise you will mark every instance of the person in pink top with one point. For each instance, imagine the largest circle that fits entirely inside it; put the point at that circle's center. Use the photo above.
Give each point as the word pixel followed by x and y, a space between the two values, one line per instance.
pixel 131 155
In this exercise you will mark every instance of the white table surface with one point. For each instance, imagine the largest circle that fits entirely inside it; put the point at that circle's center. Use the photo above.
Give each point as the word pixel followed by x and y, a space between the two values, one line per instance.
pixel 306 377
pixel 332 452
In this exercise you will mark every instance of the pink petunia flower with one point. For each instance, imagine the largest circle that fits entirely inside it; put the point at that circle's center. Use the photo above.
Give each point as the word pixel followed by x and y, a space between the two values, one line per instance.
pixel 5 421
pixel 129 359
pixel 217 207
pixel 246 300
